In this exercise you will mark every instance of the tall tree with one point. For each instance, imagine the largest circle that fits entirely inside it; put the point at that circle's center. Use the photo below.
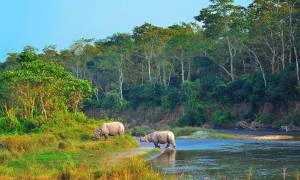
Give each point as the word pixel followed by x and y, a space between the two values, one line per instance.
pixel 220 21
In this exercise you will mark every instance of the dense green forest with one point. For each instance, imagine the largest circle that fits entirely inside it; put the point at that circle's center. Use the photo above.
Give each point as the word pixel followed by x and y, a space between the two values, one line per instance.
pixel 232 64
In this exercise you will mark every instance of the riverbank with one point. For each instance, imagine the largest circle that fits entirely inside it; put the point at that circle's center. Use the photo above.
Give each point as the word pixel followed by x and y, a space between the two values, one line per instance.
pixel 193 132
pixel 68 152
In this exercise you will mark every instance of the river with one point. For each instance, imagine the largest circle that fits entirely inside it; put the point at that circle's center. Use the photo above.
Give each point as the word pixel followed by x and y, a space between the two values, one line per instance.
pixel 233 158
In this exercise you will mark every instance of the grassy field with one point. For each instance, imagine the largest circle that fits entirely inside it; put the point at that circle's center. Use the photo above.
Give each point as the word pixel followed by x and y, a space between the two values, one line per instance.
pixel 66 151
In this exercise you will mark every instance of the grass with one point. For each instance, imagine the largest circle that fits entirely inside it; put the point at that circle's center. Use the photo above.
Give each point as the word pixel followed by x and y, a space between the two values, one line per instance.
pixel 151 153
pixel 194 132
pixel 67 151
pixel 186 131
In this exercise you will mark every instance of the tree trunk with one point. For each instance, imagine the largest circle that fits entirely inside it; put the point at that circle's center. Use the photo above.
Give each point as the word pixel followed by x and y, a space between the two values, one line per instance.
pixel 283 50
pixel 273 58
pixel 164 74
pixel 121 80
pixel 182 70
pixel 231 54
pixel 44 111
pixel 244 66
pixel 149 69
pixel 158 73
pixel 77 70
pixel 260 66
pixel 292 40
pixel 290 57
pixel 169 78
pixel 182 66
pixel 189 71
pixel 297 63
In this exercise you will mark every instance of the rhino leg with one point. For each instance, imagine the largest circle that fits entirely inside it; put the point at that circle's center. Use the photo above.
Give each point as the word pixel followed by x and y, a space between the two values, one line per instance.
pixel 106 136
pixel 174 145
pixel 168 145
pixel 156 145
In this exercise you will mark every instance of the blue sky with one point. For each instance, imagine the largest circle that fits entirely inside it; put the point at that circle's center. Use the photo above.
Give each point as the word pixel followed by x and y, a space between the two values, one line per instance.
pixel 61 22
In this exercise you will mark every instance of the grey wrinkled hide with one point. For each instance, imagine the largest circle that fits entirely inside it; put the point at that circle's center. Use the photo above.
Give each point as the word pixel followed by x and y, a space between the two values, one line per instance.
pixel 161 137
pixel 110 129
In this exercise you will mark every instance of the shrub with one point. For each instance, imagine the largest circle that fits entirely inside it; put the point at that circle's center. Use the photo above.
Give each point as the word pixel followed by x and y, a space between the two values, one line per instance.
pixel 220 117
pixel 265 118
pixel 171 98
pixel 140 130
pixel 80 117
pixel 10 124
pixel 292 118
pixel 114 101
pixel 195 116
pixel 146 95
pixel 185 131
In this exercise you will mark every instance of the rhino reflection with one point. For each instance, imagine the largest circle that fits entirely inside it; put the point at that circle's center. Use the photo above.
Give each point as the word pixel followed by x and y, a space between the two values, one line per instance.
pixel 167 159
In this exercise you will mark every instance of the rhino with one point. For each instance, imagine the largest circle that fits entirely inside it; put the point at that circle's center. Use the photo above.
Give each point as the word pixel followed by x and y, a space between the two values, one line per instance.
pixel 160 137
pixel 110 129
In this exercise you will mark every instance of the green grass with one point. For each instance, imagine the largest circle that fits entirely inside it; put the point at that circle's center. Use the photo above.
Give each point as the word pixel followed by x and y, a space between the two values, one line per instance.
pixel 66 150
pixel 151 153
pixel 185 131
pixel 196 132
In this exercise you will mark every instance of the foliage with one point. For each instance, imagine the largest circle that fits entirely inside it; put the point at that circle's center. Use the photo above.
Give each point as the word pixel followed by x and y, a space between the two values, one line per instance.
pixel 140 130
pixel 233 55
pixel 185 131
pixel 113 101
pixel 171 98
pixel 37 88
pixel 221 117
pixel 195 116
pixel 291 119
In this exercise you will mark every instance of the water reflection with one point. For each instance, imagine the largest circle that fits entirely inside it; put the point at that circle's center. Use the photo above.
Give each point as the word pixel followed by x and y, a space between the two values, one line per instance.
pixel 166 160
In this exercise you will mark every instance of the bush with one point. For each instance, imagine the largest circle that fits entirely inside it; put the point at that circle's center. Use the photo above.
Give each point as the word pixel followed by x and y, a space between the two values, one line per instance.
pixel 140 130
pixel 265 118
pixel 220 117
pixel 195 116
pixel 292 119
pixel 80 117
pixel 185 131
pixel 114 101
pixel 10 124
pixel 171 98
pixel 147 95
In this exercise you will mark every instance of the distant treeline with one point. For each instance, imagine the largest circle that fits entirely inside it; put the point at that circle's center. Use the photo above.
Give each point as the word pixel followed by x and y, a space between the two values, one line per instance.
pixel 231 54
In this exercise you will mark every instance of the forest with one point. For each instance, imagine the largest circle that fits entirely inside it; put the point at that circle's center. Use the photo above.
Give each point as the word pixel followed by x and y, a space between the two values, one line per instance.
pixel 231 64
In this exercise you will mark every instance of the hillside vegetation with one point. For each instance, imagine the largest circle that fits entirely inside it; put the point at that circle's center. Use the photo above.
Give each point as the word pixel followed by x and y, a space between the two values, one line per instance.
pixel 242 63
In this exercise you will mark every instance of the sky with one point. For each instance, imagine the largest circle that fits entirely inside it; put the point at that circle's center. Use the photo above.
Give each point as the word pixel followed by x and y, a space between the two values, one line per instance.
pixel 61 22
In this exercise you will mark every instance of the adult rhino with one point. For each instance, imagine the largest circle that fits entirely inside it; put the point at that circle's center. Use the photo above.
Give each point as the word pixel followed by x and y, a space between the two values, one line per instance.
pixel 160 137
pixel 110 129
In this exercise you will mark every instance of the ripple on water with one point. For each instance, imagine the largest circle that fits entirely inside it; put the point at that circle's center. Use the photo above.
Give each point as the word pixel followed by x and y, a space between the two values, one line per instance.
pixel 232 158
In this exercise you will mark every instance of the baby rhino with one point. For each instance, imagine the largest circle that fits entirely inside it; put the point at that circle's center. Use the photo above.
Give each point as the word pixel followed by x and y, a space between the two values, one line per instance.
pixel 160 137
pixel 110 129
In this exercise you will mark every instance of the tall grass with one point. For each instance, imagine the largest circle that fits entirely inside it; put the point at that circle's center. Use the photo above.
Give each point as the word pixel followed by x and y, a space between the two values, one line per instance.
pixel 61 149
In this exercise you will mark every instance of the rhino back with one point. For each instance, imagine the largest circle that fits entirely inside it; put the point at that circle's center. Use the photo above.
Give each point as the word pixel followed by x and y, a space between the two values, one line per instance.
pixel 163 136
pixel 115 128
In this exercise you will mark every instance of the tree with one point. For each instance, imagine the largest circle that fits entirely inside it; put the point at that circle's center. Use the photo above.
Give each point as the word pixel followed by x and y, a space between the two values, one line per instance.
pixel 222 21
pixel 40 88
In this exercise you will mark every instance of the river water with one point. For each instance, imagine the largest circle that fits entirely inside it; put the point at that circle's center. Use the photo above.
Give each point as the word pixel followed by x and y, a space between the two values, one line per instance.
pixel 235 159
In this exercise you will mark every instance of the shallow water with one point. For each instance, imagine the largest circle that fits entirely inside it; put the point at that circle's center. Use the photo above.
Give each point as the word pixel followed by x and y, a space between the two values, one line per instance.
pixel 215 158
